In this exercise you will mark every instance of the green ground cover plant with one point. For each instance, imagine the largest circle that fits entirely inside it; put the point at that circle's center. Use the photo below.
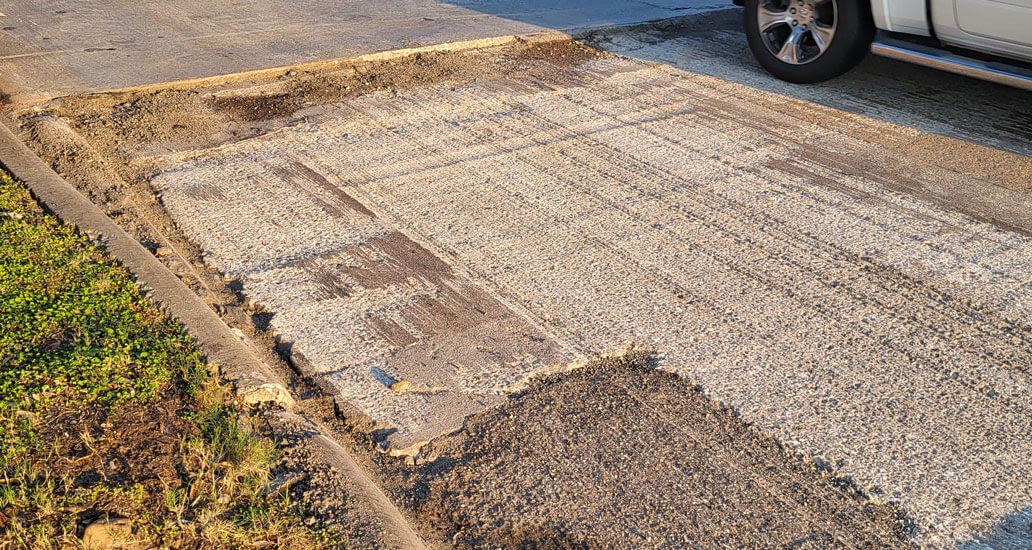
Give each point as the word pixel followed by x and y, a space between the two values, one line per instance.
pixel 108 411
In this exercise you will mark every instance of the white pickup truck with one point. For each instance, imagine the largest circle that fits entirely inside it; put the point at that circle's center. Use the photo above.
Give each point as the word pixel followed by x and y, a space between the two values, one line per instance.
pixel 814 40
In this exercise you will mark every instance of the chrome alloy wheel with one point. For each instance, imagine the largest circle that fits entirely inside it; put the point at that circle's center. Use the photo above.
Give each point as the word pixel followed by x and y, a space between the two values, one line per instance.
pixel 797 31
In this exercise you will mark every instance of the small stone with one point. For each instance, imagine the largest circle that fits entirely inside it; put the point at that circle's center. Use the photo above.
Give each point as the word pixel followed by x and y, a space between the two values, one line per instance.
pixel 401 386
pixel 244 425
pixel 283 482
pixel 108 533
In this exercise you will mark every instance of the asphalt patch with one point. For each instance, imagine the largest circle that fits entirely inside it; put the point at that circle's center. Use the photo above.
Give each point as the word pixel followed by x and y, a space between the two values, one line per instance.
pixel 620 455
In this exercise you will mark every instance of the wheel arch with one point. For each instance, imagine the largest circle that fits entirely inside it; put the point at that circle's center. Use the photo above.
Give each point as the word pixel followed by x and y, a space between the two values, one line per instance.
pixel 905 16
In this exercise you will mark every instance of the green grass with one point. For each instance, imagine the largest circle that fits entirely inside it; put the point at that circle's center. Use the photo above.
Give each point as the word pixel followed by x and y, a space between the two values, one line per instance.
pixel 83 356
pixel 72 325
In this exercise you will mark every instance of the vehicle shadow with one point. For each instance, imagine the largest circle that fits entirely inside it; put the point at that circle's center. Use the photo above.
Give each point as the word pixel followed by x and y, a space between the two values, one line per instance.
pixel 579 14
pixel 1013 532
pixel 712 43
pixel 892 91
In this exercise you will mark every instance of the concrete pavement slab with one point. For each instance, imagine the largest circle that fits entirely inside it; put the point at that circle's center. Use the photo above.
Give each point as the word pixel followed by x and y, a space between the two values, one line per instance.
pixel 50 48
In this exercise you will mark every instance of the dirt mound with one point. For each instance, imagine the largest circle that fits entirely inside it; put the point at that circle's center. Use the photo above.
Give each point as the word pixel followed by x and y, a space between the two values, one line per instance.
pixel 621 455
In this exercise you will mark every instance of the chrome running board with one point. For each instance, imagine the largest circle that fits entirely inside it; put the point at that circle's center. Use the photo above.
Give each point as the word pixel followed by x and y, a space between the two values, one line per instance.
pixel 993 71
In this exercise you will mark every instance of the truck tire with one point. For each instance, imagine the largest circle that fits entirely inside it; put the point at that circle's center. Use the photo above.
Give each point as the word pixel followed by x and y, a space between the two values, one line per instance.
pixel 807 41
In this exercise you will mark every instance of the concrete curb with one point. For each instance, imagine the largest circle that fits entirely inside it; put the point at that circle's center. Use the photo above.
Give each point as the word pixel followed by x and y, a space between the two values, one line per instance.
pixel 253 380
pixel 322 65
pixel 330 452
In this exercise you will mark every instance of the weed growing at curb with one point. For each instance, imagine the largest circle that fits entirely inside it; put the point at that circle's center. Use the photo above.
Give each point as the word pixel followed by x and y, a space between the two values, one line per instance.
pixel 108 411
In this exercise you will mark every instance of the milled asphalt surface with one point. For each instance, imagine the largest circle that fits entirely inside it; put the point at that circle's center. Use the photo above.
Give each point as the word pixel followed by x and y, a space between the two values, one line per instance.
pixel 846 269
pixel 830 288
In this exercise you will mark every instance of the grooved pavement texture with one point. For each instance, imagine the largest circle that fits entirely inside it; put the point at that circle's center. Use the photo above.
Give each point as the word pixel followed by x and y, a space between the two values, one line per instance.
pixel 844 296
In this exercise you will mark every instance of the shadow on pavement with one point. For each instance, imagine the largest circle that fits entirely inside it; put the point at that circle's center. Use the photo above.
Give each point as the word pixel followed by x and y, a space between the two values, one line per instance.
pixel 896 92
pixel 712 43
pixel 892 91
pixel 579 14
pixel 1013 532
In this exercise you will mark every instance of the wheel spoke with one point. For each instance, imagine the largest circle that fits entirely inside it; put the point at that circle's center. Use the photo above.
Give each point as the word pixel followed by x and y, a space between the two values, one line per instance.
pixel 790 52
pixel 768 19
pixel 822 36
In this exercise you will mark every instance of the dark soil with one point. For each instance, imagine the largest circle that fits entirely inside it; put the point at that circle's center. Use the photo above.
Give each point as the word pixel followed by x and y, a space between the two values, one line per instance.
pixel 329 497
pixel 133 446
pixel 310 88
pixel 620 455
pixel 563 53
